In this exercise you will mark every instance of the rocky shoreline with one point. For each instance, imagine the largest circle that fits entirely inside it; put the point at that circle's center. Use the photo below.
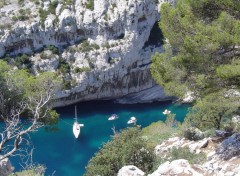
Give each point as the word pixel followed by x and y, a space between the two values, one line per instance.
pixel 216 164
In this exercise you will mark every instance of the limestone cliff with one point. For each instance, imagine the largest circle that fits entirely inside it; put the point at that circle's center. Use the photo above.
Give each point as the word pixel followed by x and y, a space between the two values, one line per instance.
pixel 102 47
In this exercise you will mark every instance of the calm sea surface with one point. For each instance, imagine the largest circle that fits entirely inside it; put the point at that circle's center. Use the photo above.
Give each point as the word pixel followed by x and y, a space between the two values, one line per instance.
pixel 64 155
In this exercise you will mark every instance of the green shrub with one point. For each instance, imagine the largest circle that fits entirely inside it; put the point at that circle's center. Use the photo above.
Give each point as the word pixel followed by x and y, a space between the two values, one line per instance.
pixel 22 16
pixel 170 120
pixel 210 133
pixel 23 61
pixel 36 2
pixel 20 2
pixel 52 6
pixel 90 5
pixel 158 132
pixel 106 45
pixel 193 134
pixel 52 48
pixel 63 66
pixel 33 171
pixel 179 153
pixel 82 69
pixel 125 148
pixel 68 2
pixel 43 16
pixel 114 5
pixel 85 46
pixel 184 153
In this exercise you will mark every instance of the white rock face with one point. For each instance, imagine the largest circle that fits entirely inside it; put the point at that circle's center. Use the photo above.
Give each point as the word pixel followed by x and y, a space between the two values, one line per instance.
pixel 130 171
pixel 176 167
pixel 215 165
pixel 118 29
pixel 5 167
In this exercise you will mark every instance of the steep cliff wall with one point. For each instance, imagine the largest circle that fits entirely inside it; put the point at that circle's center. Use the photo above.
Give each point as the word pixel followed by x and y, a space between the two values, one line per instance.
pixel 102 48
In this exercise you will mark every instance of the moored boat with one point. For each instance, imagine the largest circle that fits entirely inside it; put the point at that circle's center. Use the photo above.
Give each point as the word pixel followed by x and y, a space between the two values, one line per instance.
pixel 113 117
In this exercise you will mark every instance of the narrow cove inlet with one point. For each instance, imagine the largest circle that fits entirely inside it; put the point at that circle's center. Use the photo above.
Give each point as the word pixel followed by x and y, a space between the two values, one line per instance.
pixel 64 155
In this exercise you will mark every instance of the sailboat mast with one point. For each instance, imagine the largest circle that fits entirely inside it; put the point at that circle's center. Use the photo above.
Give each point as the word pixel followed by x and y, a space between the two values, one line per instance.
pixel 75 112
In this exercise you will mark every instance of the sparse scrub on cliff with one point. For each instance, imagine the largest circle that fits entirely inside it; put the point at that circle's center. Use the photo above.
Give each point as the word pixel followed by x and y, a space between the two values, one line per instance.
pixel 20 2
pixel 43 16
pixel 82 69
pixel 159 131
pixel 63 66
pixel 68 2
pixel 5 26
pixel 180 153
pixel 23 14
pixel 32 171
pixel 86 46
pixel 23 61
pixel 52 48
pixel 90 5
pixel 53 6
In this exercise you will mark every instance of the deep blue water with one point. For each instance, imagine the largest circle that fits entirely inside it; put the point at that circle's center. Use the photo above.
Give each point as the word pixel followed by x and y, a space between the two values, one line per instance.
pixel 61 153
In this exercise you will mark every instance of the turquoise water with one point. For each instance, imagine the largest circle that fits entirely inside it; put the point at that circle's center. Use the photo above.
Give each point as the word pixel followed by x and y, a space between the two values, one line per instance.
pixel 64 155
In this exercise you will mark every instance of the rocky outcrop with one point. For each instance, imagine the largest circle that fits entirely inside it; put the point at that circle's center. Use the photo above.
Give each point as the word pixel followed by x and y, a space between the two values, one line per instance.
pixel 5 167
pixel 230 147
pixel 130 171
pixel 222 157
pixel 154 93
pixel 179 167
pixel 104 44
pixel 176 142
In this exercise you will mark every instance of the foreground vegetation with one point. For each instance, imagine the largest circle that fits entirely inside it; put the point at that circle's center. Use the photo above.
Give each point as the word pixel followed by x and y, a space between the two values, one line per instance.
pixel 125 148
pixel 201 57
pixel 24 96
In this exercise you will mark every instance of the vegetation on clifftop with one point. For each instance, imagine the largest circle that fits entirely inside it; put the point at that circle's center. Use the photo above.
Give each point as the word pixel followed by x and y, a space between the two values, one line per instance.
pixel 201 56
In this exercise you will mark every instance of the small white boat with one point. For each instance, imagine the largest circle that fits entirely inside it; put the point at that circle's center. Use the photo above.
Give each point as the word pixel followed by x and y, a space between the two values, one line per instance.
pixel 76 126
pixel 132 120
pixel 113 117
pixel 166 112
pixel 76 129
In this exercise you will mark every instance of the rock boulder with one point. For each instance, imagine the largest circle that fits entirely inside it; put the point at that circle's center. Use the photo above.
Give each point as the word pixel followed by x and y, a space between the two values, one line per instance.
pixel 130 171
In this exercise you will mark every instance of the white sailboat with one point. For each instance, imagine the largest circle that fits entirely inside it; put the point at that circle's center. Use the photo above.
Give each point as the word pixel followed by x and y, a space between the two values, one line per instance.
pixel 166 112
pixel 132 120
pixel 76 125
pixel 113 117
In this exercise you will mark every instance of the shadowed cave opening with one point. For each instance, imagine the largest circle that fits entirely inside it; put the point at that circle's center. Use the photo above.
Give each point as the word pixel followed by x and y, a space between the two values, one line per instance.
pixel 155 38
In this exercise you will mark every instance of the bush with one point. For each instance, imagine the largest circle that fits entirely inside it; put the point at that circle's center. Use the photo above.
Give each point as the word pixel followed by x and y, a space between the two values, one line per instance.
pixel 85 46
pixel 82 69
pixel 52 6
pixel 32 171
pixel 184 153
pixel 170 120
pixel 180 153
pixel 20 2
pixel 125 148
pixel 90 5
pixel 52 48
pixel 63 66
pixel 193 134
pixel 43 16
pixel 23 61
pixel 158 132
pixel 22 16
